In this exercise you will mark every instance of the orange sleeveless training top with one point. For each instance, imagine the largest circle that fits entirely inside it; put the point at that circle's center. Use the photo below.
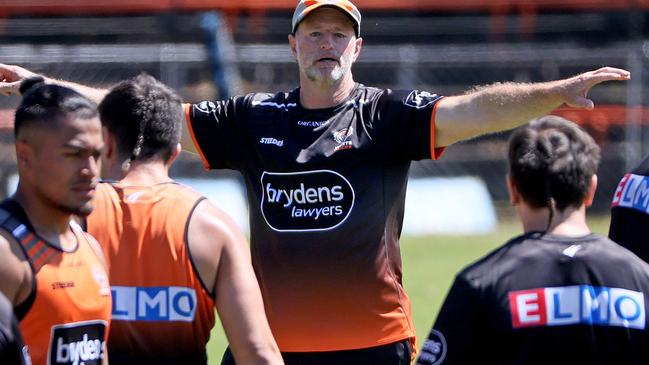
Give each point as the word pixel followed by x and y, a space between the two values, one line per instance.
pixel 68 312
pixel 161 310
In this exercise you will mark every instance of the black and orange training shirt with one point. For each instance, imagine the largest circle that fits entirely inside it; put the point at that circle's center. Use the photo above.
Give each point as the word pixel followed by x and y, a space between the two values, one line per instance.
pixel 326 191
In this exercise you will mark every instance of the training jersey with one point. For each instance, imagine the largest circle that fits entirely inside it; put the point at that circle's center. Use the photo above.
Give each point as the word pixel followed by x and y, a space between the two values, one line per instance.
pixel 12 348
pixel 162 313
pixel 65 319
pixel 545 299
pixel 326 191
pixel 630 211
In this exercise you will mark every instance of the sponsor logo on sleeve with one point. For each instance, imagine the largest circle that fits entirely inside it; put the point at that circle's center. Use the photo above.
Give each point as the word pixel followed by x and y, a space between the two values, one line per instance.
pixel 207 107
pixel 632 192
pixel 420 99
pixel 169 304
pixel 305 201
pixel 434 350
pixel 80 343
pixel 577 304
pixel 284 106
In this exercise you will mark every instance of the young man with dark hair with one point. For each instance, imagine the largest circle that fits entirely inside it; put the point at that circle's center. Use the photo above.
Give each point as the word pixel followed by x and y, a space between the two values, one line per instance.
pixel 558 294
pixel 173 257
pixel 51 271
pixel 326 167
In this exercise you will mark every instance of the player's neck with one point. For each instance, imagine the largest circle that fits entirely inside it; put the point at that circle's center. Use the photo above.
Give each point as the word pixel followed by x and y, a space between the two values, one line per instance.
pixel 569 222
pixel 49 222
pixel 317 96
pixel 147 173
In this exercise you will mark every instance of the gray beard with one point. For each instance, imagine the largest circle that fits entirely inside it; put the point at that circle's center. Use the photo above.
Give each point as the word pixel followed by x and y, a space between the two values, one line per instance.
pixel 331 78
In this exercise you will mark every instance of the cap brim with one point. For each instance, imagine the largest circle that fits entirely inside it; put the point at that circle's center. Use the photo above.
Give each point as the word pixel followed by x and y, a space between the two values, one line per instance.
pixel 348 14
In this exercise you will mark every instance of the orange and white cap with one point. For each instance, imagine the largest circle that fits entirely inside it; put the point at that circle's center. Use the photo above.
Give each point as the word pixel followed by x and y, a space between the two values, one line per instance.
pixel 305 7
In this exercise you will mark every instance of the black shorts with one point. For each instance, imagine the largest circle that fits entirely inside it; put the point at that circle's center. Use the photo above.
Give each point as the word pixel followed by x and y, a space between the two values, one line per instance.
pixel 397 353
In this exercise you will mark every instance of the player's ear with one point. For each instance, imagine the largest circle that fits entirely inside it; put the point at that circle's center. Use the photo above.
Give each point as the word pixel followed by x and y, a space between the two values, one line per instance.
pixel 590 196
pixel 110 144
pixel 174 155
pixel 292 44
pixel 24 155
pixel 514 196
pixel 358 44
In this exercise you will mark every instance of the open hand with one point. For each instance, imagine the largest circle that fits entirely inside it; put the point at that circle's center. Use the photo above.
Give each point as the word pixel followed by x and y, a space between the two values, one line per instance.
pixel 575 89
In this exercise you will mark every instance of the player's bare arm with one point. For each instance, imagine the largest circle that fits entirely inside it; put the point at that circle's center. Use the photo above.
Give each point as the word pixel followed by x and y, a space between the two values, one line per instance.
pixel 15 273
pixel 11 76
pixel 186 139
pixel 221 255
pixel 507 105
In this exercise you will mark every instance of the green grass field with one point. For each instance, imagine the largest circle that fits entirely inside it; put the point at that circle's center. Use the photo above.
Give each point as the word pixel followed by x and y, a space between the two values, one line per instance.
pixel 429 266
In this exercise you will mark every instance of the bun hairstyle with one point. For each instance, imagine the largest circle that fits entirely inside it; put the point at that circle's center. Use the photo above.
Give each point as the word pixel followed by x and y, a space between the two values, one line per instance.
pixel 43 105
pixel 552 161
pixel 30 83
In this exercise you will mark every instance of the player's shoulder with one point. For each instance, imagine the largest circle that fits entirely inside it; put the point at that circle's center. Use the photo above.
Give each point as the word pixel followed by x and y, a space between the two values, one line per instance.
pixel 417 99
pixel 181 191
pixel 642 168
pixel 503 257
pixel 12 258
pixel 105 189
pixel 8 243
pixel 106 196
pixel 209 232
pixel 211 221
pixel 609 252
pixel 6 316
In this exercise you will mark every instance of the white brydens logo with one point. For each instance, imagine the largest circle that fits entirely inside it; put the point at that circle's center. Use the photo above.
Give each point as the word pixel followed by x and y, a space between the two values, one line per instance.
pixel 80 343
pixel 305 201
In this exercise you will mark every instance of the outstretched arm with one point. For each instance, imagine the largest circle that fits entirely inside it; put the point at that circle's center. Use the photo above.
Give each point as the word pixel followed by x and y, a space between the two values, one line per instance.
pixel 221 255
pixel 11 76
pixel 504 106
pixel 186 138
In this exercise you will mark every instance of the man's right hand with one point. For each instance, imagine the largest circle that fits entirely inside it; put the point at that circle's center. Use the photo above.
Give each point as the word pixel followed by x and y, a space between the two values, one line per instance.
pixel 10 78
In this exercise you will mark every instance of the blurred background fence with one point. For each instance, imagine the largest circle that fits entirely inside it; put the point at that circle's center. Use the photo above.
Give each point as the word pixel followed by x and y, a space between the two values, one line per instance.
pixel 214 49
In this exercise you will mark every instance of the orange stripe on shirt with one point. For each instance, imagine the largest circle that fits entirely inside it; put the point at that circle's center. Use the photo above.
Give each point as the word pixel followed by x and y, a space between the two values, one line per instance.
pixel 435 152
pixel 190 128
pixel 37 247
pixel 30 236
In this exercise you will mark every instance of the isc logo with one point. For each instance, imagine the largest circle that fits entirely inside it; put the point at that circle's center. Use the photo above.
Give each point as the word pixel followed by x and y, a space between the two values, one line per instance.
pixel 163 303
pixel 577 304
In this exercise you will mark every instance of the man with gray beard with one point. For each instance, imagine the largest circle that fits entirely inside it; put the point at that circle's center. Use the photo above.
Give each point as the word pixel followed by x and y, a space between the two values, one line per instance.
pixel 326 167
